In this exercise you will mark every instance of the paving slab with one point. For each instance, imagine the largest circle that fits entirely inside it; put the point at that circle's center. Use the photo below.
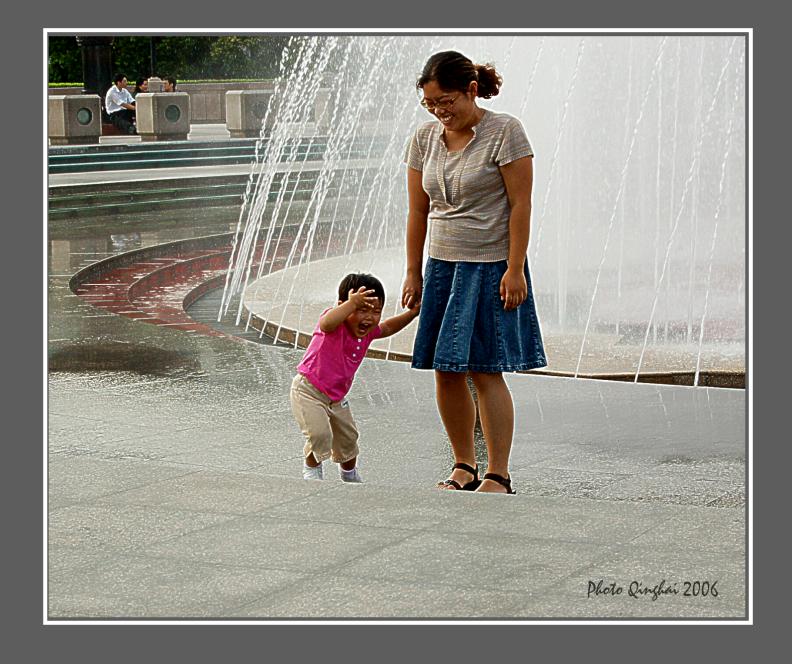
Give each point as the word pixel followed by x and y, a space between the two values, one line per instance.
pixel 274 543
pixel 342 596
pixel 140 587
pixel 206 491
pixel 76 479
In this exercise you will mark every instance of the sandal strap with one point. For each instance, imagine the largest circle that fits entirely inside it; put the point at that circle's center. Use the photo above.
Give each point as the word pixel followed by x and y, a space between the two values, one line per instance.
pixel 469 469
pixel 457 485
pixel 503 481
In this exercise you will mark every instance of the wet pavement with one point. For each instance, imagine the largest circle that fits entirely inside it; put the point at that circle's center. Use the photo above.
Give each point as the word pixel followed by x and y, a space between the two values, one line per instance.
pixel 175 490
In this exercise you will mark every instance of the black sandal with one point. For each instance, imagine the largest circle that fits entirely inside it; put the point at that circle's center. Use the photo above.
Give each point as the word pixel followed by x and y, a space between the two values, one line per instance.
pixel 503 481
pixel 468 486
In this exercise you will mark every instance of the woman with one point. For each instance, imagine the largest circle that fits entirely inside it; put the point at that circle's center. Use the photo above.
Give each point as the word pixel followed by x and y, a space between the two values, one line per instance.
pixel 141 85
pixel 469 181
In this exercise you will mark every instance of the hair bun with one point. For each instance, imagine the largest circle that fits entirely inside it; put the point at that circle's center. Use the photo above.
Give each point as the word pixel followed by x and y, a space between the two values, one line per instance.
pixel 489 81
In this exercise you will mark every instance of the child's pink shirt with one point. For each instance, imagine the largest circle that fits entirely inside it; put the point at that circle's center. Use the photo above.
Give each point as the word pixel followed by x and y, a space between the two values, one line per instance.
pixel 332 358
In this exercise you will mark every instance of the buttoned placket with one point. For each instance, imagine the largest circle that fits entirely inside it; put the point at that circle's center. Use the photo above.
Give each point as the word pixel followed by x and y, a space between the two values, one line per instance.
pixel 440 169
pixel 440 172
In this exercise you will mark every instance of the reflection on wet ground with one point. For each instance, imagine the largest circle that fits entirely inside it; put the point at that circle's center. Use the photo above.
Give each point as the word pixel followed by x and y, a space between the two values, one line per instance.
pixel 114 356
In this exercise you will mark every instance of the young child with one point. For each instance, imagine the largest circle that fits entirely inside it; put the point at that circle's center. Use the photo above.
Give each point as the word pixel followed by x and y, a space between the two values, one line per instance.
pixel 325 374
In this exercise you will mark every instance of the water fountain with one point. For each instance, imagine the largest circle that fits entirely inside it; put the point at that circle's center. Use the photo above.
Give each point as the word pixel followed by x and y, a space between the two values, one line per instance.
pixel 639 164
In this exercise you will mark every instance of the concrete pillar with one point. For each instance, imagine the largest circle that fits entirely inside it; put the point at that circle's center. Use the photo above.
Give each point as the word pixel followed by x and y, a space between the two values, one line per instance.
pixel 245 110
pixel 155 84
pixel 74 119
pixel 163 116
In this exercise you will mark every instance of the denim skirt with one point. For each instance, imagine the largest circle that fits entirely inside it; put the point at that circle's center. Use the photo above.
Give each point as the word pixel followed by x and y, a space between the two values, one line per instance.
pixel 464 327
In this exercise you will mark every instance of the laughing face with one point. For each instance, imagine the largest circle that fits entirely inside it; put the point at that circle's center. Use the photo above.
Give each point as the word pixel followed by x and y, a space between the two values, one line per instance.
pixel 363 321
pixel 455 109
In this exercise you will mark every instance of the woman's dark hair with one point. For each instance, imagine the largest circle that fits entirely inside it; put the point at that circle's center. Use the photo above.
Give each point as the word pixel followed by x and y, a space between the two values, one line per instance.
pixel 354 281
pixel 453 71
pixel 140 81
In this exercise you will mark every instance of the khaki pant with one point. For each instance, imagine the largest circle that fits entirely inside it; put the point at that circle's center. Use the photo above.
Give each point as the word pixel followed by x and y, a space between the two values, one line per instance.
pixel 328 426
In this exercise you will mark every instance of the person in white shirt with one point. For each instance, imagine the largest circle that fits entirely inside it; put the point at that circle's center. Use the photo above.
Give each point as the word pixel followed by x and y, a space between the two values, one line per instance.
pixel 120 105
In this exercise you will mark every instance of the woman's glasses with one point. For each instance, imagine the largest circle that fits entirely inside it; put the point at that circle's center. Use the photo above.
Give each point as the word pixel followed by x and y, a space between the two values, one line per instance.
pixel 441 104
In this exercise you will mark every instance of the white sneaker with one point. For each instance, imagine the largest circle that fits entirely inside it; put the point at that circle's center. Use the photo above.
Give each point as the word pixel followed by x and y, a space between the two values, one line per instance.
pixel 312 473
pixel 351 475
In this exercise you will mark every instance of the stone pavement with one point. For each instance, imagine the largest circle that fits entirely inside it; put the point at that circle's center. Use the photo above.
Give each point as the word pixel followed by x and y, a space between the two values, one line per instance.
pixel 175 490
pixel 172 541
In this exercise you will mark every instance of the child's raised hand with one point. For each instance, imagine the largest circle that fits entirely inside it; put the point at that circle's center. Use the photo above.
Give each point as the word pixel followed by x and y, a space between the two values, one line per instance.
pixel 363 299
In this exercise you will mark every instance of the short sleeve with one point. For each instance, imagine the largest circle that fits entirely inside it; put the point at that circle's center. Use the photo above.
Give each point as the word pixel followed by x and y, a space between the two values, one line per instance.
pixel 318 328
pixel 515 144
pixel 413 157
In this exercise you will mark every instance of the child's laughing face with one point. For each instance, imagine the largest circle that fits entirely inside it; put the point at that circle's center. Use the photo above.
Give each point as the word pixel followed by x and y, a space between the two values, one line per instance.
pixel 363 321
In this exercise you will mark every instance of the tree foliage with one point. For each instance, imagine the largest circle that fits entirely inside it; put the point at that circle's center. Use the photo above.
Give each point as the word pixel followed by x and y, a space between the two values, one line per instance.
pixel 217 57
pixel 65 60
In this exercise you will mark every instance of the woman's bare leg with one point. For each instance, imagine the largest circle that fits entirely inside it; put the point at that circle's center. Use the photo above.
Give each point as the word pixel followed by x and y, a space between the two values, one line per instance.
pixel 496 411
pixel 458 412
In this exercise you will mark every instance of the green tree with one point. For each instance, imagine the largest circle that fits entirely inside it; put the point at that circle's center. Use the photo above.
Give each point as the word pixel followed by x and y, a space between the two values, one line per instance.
pixel 191 57
pixel 64 60
pixel 132 56
pixel 246 57
pixel 182 57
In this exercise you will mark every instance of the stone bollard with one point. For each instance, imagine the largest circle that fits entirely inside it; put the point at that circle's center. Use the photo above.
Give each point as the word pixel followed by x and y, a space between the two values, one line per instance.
pixel 163 116
pixel 155 84
pixel 245 110
pixel 74 119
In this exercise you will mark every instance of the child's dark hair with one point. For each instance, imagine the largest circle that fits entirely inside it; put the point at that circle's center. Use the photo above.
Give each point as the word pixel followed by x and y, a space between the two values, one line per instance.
pixel 354 281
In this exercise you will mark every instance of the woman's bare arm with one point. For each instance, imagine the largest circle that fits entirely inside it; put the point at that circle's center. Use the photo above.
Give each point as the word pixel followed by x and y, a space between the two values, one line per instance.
pixel 416 237
pixel 518 178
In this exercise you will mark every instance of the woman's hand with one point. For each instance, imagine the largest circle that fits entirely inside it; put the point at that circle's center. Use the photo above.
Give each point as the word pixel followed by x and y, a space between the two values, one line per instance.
pixel 412 290
pixel 513 288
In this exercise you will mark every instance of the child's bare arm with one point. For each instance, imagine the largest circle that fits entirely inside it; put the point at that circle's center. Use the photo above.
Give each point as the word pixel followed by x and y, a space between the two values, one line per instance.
pixel 333 318
pixel 396 323
pixel 360 299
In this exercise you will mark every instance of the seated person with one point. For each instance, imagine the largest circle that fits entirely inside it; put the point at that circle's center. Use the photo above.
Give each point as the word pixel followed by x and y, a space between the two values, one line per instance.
pixel 120 105
pixel 169 84
pixel 141 85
